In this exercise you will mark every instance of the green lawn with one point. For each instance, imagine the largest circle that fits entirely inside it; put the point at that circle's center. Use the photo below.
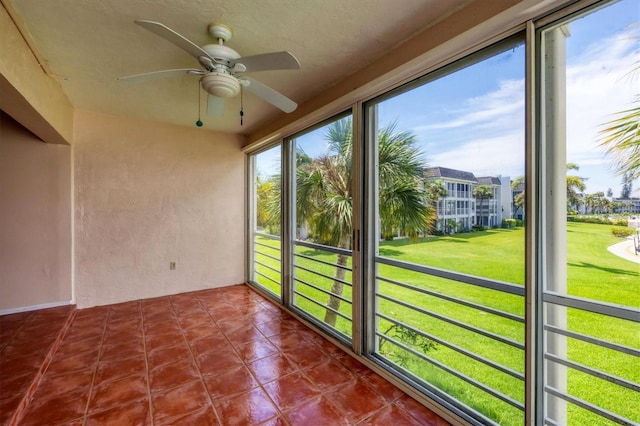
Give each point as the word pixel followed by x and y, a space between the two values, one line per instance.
pixel 498 254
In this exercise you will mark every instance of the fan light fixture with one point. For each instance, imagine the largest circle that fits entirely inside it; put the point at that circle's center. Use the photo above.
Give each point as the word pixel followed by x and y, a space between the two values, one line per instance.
pixel 222 68
pixel 221 85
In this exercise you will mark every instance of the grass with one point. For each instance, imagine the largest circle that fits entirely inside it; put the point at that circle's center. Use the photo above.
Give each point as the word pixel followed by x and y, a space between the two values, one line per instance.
pixel 592 273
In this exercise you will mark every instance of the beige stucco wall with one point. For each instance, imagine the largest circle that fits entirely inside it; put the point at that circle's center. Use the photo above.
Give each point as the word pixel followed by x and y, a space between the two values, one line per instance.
pixel 35 219
pixel 147 194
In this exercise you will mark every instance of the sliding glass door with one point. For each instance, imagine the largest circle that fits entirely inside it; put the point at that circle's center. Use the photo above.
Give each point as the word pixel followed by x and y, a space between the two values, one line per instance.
pixel 265 221
pixel 322 207
pixel 471 231
pixel 589 69
pixel 448 261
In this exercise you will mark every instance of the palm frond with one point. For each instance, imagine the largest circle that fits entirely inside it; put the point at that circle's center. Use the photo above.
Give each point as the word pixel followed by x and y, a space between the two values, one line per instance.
pixel 622 140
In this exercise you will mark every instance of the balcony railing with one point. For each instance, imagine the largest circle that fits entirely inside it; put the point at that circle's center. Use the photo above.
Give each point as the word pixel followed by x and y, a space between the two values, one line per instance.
pixel 267 262
pixel 431 326
pixel 461 337
pixel 607 357
pixel 320 281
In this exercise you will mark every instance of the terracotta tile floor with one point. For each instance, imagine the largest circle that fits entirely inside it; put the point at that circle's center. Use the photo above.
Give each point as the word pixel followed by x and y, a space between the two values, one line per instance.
pixel 225 356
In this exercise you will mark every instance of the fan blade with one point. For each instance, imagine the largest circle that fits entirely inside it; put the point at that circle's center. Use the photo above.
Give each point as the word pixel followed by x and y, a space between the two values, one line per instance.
pixel 268 94
pixel 215 106
pixel 175 38
pixel 160 74
pixel 268 61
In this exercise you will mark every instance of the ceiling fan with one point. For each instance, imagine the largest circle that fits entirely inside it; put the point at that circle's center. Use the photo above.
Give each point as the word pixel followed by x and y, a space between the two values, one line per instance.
pixel 222 68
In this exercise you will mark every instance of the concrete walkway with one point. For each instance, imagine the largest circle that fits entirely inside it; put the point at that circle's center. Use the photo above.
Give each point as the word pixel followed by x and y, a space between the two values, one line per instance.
pixel 625 250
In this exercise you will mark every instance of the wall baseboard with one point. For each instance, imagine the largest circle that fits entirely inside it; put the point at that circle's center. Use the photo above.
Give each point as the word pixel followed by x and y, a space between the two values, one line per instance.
pixel 34 307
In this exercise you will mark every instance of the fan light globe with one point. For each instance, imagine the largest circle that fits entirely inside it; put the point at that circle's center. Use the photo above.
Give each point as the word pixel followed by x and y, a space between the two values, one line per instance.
pixel 221 85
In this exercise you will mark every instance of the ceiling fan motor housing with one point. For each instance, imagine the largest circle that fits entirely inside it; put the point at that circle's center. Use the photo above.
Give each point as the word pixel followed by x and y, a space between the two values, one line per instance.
pixel 221 85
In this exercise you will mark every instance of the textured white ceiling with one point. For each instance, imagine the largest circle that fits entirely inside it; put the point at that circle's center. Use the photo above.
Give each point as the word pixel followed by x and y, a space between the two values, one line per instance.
pixel 89 43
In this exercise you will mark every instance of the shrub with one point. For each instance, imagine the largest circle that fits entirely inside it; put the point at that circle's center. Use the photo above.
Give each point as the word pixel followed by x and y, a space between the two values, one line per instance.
pixel 509 223
pixel 477 228
pixel 603 220
pixel 622 232
pixel 621 222
pixel 519 223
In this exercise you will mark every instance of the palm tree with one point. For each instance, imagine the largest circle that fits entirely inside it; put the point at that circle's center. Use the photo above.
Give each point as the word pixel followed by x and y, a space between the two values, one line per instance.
pixel 622 140
pixel 324 195
pixel 518 200
pixel 268 203
pixel 435 190
pixel 482 192
pixel 627 186
pixel 575 185
pixel 621 137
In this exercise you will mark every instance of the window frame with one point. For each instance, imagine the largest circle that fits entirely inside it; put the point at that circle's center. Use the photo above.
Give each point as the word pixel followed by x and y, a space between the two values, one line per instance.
pixel 364 223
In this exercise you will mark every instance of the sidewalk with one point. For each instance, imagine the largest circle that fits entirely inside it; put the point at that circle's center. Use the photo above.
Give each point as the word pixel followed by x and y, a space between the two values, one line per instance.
pixel 625 251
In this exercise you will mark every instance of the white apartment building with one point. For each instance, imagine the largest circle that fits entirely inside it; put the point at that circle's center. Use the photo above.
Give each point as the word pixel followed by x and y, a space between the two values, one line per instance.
pixel 459 210
pixel 630 205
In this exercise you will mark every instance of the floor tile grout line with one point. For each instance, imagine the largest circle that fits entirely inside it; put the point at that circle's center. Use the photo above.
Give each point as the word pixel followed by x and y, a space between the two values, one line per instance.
pixel 244 364
pixel 261 385
pixel 21 409
pixel 14 334
pixel 146 362
pixel 337 386
pixel 95 367
pixel 195 362
pixel 258 381
pixel 300 370
pixel 179 311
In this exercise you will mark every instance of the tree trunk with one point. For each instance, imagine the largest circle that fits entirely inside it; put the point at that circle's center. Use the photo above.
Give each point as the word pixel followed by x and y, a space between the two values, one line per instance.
pixel 330 317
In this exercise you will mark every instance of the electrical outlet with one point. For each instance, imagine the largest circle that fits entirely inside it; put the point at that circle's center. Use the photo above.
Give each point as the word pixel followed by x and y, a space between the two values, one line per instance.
pixel 172 266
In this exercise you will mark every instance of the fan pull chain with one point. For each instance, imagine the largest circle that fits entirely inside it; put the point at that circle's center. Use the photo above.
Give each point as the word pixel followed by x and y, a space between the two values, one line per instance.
pixel 199 122
pixel 241 102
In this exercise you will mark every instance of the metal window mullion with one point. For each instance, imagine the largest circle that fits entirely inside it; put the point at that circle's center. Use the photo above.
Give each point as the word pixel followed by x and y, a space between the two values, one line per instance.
pixel 357 225
pixel 287 214
pixel 457 348
pixel 250 216
pixel 534 379
pixel 370 226
pixel 460 324
pixel 493 311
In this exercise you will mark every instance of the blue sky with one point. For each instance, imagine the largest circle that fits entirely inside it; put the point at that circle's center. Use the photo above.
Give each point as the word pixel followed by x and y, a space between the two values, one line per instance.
pixel 473 119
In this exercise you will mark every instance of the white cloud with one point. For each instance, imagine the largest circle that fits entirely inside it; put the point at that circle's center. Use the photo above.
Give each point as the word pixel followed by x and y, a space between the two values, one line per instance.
pixel 501 155
pixel 483 110
pixel 486 134
pixel 598 85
